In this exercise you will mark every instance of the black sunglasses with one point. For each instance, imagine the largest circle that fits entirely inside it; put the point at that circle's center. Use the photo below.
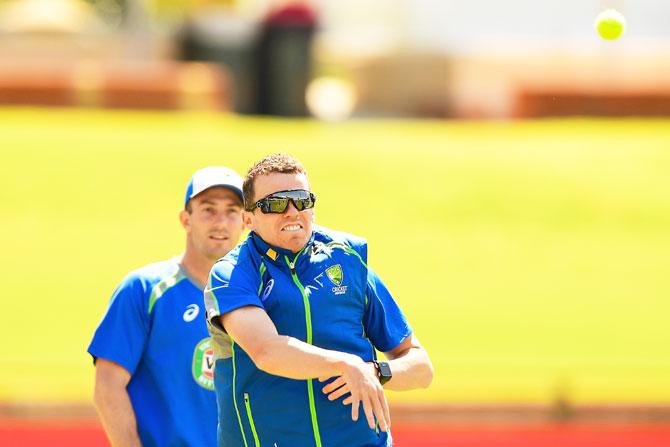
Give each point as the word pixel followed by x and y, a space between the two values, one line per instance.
pixel 277 202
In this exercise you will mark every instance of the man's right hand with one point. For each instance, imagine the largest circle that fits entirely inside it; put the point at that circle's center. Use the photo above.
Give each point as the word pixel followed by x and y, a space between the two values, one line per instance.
pixel 360 379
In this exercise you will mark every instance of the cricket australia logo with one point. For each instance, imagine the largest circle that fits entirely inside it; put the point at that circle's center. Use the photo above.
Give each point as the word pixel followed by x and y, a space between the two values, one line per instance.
pixel 336 276
pixel 203 364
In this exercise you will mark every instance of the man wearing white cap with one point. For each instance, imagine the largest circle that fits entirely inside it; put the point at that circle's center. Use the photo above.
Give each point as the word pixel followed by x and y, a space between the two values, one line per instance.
pixel 153 356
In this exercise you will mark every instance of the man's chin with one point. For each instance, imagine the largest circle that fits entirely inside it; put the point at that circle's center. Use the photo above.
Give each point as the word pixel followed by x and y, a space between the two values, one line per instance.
pixel 218 253
pixel 295 243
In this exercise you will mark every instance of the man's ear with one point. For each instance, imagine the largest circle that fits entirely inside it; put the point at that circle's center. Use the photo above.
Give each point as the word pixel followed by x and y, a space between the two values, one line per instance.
pixel 185 219
pixel 248 220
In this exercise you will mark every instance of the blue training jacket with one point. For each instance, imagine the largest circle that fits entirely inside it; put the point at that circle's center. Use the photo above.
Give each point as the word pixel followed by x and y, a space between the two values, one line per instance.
pixel 326 296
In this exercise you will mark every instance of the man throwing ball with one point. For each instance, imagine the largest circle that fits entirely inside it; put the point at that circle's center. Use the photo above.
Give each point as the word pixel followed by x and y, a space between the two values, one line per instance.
pixel 295 315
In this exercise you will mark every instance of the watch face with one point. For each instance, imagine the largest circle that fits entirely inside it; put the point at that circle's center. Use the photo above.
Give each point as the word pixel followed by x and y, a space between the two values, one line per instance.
pixel 384 369
pixel 384 372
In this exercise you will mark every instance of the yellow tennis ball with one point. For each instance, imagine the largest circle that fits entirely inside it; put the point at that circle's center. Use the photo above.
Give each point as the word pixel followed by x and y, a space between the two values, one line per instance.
pixel 610 24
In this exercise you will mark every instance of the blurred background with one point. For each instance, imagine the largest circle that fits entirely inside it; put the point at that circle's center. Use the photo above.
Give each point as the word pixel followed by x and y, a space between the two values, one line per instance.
pixel 508 166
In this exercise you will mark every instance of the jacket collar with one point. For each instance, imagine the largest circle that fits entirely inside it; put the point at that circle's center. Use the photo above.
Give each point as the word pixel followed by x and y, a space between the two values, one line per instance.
pixel 278 255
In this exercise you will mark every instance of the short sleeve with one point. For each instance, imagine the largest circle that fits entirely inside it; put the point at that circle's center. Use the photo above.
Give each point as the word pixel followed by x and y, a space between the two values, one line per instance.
pixel 122 333
pixel 229 287
pixel 385 324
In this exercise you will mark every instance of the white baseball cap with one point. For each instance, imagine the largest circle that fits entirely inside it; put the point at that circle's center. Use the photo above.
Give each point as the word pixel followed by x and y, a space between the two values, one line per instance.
pixel 211 176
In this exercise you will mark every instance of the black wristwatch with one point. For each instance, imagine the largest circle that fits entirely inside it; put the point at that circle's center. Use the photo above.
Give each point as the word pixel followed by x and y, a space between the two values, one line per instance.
pixel 384 371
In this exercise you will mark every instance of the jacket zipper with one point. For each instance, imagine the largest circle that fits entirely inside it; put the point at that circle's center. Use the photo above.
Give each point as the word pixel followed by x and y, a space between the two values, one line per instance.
pixel 308 323
pixel 251 419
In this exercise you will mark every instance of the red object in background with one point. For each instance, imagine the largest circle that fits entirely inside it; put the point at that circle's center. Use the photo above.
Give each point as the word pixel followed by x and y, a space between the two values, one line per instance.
pixel 546 435
pixel 298 14
pixel 52 433
pixel 88 433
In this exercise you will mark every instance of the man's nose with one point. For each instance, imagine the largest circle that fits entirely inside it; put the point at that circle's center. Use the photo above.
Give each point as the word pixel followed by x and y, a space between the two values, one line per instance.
pixel 291 210
pixel 220 218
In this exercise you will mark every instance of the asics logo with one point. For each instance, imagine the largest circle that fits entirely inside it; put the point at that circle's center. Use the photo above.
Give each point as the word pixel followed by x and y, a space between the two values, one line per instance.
pixel 191 312
pixel 268 290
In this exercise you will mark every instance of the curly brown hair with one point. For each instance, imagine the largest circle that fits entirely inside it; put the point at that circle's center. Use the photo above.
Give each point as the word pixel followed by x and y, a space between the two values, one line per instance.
pixel 281 163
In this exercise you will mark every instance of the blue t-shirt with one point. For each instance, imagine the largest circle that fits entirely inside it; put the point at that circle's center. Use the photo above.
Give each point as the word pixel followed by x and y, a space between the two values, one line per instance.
pixel 326 296
pixel 155 328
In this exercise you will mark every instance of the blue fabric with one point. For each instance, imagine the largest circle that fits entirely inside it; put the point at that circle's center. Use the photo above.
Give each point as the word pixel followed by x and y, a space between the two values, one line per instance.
pixel 385 323
pixel 351 311
pixel 168 353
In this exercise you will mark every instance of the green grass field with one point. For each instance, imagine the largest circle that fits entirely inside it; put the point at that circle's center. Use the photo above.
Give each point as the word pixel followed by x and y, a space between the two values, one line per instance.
pixel 531 258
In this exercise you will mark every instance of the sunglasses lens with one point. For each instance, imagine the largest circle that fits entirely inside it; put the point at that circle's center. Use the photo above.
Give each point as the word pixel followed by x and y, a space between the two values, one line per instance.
pixel 276 204
pixel 302 204
pixel 302 199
